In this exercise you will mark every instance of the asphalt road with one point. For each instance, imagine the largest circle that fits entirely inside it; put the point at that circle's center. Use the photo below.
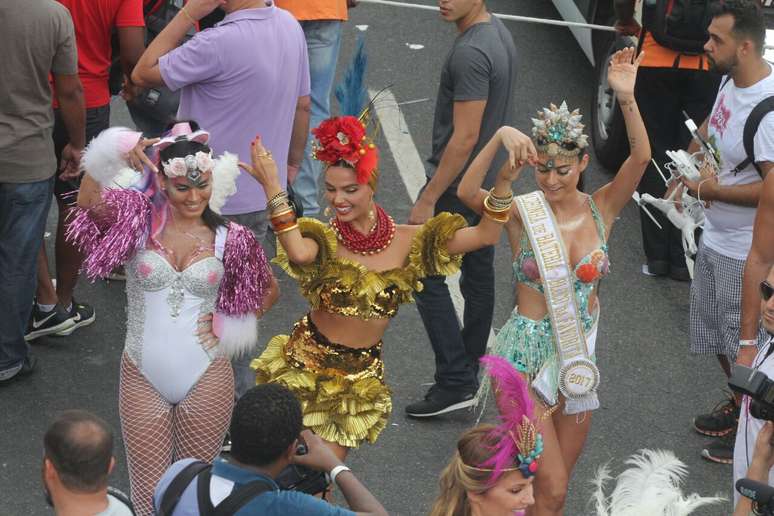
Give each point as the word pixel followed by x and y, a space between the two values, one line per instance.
pixel 651 387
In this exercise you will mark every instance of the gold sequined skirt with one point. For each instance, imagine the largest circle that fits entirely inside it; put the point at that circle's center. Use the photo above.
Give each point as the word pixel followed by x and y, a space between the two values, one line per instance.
pixel 342 391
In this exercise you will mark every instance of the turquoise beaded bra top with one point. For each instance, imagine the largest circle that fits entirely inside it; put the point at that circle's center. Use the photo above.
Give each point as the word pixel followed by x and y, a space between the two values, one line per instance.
pixel 588 270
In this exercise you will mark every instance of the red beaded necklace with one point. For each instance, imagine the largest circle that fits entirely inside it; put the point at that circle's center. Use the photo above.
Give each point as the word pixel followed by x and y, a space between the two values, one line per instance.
pixel 376 241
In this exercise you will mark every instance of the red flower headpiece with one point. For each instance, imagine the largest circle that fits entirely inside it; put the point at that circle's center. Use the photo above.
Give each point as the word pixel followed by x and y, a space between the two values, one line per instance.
pixel 344 138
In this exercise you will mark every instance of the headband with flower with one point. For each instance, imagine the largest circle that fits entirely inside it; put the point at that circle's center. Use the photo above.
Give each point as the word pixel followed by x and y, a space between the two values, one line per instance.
pixel 344 139
pixel 559 132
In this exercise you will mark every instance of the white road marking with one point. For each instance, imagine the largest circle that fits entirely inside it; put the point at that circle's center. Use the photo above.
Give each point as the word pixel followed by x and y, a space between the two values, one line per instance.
pixel 412 172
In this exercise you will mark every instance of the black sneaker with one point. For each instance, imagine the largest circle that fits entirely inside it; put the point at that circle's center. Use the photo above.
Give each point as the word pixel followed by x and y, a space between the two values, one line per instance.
pixel 82 315
pixel 439 402
pixel 47 323
pixel 721 421
pixel 28 365
pixel 226 447
pixel 721 450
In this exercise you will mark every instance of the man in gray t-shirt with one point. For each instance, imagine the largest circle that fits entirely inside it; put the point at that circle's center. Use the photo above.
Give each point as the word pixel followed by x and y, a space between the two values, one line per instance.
pixel 475 98
pixel 38 41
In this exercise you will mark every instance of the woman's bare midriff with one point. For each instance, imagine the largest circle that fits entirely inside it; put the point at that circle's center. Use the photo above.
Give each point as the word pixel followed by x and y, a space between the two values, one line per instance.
pixel 349 331
pixel 532 304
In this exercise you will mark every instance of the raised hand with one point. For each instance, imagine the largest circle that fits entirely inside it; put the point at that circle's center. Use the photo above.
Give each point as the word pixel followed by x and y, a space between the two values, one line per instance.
pixel 263 167
pixel 137 157
pixel 622 71
pixel 520 148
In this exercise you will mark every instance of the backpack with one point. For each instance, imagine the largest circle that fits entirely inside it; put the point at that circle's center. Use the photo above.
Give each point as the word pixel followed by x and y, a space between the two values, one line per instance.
pixel 202 471
pixel 292 478
pixel 679 25
pixel 751 125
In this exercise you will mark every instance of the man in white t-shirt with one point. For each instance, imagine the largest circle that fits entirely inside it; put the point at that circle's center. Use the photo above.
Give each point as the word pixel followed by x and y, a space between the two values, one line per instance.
pixel 78 459
pixel 735 49
pixel 749 426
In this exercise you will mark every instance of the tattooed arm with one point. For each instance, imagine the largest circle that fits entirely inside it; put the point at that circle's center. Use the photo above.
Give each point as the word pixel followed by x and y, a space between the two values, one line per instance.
pixel 612 197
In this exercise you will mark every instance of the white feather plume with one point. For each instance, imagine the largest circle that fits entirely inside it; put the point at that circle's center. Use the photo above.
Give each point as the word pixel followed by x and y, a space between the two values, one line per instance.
pixel 224 176
pixel 651 486
pixel 239 334
pixel 103 159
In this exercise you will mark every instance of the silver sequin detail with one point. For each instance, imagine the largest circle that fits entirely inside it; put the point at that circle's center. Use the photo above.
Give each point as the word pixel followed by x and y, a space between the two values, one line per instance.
pixel 150 272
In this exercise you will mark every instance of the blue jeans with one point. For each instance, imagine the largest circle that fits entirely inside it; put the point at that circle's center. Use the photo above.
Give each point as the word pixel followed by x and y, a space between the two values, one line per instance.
pixel 23 211
pixel 323 39
pixel 456 349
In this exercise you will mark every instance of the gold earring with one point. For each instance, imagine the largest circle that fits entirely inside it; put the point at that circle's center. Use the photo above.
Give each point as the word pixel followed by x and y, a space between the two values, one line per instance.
pixel 327 211
pixel 371 215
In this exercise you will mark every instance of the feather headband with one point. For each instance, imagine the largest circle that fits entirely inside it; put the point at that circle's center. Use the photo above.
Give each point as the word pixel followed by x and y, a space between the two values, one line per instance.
pixel 344 138
pixel 519 444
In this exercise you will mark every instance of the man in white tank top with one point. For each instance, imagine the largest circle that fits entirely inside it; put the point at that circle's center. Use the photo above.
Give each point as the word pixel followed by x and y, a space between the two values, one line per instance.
pixel 735 49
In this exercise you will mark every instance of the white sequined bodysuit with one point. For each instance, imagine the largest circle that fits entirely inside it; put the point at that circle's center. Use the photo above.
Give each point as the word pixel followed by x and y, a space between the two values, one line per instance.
pixel 164 306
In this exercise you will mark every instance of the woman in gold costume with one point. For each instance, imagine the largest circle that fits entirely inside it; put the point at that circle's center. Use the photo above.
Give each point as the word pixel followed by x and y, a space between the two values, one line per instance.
pixel 355 272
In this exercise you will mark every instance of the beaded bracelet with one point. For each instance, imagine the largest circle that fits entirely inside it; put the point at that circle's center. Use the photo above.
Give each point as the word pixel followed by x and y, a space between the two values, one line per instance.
pixel 495 207
pixel 499 203
pixel 507 199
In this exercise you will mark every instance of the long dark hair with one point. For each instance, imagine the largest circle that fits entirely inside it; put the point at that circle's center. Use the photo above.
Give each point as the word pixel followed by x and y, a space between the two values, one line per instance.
pixel 183 148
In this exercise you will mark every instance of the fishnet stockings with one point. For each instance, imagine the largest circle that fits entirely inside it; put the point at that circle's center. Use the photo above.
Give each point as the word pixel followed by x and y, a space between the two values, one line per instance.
pixel 157 433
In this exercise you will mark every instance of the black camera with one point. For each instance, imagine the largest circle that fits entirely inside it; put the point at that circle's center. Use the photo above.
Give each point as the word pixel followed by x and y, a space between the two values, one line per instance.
pixel 762 495
pixel 758 387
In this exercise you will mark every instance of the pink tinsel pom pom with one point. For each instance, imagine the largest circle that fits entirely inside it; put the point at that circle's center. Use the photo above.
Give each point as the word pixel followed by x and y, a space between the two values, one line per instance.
pixel 110 233
pixel 247 275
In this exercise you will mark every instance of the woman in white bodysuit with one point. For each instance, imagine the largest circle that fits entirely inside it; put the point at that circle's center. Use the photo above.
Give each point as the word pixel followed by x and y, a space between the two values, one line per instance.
pixel 195 287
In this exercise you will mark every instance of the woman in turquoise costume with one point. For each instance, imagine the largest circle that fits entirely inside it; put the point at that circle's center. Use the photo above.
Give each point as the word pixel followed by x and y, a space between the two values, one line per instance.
pixel 582 225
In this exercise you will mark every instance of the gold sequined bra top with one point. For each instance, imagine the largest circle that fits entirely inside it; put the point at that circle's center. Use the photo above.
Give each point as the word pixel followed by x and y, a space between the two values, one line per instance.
pixel 342 286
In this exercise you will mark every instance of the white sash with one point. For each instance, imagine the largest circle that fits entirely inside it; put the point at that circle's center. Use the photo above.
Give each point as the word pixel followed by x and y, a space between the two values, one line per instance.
pixel 578 375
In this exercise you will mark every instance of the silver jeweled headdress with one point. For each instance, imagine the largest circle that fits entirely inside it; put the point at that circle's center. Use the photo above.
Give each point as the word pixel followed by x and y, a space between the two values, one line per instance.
pixel 559 132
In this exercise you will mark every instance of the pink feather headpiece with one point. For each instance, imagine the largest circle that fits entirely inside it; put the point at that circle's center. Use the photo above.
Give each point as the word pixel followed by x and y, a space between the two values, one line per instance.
pixel 519 444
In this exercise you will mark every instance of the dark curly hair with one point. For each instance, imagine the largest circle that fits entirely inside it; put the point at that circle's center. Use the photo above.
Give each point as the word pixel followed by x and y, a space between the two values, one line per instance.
pixel 267 419
pixel 748 19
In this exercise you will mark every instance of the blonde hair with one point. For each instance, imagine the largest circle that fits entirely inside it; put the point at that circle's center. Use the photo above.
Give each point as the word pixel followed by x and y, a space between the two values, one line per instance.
pixel 462 475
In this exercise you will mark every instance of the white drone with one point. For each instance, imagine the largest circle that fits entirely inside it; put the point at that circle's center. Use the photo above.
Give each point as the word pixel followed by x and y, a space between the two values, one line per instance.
pixel 691 216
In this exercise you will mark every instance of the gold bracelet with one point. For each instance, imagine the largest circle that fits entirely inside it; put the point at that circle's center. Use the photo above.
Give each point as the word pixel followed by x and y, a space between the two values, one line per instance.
pixel 277 200
pixel 496 217
pixel 291 228
pixel 280 213
pixel 182 10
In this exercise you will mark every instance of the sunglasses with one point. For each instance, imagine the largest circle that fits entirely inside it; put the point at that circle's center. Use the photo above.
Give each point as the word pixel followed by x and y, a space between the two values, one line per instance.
pixel 766 290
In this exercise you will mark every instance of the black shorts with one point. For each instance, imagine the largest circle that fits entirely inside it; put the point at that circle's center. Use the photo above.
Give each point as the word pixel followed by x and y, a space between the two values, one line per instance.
pixel 97 120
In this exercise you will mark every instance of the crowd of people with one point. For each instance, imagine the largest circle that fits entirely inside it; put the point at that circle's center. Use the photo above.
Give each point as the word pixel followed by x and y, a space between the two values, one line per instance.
pixel 182 212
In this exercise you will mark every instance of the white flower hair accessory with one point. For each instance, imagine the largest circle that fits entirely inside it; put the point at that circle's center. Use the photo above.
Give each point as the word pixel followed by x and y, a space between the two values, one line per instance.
pixel 192 166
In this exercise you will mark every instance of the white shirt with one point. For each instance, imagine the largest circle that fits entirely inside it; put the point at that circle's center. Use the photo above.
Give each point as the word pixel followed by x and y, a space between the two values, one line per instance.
pixel 728 227
pixel 747 431
pixel 115 508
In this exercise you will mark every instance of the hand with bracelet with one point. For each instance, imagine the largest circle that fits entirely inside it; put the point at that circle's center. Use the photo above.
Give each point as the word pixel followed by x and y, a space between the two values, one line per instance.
pixel 264 170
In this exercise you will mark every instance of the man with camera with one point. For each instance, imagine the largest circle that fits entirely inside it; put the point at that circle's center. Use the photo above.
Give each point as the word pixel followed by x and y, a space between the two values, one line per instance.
pixel 267 442
pixel 757 404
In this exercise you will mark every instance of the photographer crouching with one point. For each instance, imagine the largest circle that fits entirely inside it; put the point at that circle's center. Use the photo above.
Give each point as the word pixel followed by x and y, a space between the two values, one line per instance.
pixel 754 449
